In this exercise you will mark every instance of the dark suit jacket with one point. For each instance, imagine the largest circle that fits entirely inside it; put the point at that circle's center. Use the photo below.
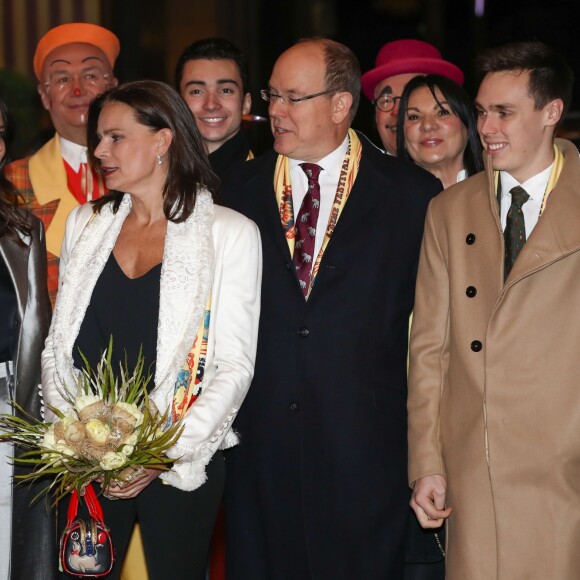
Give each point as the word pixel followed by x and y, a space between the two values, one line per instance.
pixel 233 152
pixel 34 553
pixel 318 487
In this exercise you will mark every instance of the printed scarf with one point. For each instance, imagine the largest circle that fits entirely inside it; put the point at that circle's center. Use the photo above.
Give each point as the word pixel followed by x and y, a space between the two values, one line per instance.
pixel 283 189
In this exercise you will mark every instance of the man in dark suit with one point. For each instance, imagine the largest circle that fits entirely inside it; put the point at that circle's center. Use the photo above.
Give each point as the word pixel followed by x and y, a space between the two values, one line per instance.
pixel 317 488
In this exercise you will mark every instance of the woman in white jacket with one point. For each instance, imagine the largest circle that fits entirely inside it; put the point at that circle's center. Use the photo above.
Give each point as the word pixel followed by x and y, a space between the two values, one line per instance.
pixel 157 266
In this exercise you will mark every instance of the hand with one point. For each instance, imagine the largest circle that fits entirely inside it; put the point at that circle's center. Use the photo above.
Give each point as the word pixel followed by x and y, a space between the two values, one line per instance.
pixel 133 489
pixel 428 501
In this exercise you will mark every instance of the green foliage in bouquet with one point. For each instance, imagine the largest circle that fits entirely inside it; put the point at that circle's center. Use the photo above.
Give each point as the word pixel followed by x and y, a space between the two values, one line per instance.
pixel 110 430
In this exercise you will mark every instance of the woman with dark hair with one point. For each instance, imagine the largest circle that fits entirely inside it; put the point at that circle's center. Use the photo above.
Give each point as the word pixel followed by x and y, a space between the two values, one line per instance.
pixel 157 266
pixel 437 129
pixel 26 531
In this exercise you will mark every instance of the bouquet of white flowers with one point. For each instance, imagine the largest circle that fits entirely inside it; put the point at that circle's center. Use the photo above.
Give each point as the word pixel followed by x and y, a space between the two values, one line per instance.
pixel 111 430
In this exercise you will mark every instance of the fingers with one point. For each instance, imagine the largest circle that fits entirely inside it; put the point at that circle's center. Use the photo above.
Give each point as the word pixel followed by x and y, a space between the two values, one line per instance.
pixel 439 499
pixel 428 501
pixel 113 490
pixel 121 490
pixel 428 515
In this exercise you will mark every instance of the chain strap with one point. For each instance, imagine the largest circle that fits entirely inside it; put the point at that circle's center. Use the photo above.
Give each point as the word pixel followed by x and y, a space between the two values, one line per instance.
pixel 439 544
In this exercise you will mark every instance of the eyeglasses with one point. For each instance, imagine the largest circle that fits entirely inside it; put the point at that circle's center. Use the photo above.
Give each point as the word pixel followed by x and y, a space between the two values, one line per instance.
pixel 271 97
pixel 386 103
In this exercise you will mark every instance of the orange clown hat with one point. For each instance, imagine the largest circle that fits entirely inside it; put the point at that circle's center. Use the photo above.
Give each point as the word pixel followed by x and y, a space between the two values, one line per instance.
pixel 76 32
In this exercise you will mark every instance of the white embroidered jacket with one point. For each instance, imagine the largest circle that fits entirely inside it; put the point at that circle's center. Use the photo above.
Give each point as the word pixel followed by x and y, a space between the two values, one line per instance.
pixel 215 248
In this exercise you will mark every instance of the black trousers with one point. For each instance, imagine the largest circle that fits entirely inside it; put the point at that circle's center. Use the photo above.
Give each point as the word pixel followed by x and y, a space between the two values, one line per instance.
pixel 176 526
pixel 430 571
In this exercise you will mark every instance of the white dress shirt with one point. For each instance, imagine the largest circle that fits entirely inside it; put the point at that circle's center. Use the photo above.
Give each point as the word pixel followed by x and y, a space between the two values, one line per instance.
pixel 73 153
pixel 328 180
pixel 535 187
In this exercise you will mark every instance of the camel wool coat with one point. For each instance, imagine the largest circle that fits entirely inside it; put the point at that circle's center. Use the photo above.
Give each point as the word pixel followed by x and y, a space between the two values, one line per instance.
pixel 494 386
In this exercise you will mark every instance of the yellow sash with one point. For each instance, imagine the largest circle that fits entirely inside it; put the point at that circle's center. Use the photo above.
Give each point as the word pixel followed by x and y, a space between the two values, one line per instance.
pixel 48 180
pixel 283 189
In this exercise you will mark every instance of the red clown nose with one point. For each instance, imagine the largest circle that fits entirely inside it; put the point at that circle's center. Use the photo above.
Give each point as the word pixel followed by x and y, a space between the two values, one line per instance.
pixel 77 92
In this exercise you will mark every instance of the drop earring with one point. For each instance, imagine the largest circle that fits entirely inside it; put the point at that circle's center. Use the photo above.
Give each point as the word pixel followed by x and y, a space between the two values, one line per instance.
pixel 159 160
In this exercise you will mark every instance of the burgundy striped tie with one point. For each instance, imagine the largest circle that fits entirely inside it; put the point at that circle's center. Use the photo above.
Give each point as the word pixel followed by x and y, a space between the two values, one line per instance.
pixel 306 227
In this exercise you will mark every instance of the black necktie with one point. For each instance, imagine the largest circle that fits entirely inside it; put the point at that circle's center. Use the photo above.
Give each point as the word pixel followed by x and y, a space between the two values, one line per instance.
pixel 515 228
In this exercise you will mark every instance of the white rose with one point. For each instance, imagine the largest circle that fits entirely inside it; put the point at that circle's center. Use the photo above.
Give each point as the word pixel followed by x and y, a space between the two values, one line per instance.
pixel 65 449
pixel 97 431
pixel 54 448
pixel 49 440
pixel 69 418
pixel 127 450
pixel 133 410
pixel 131 439
pixel 112 461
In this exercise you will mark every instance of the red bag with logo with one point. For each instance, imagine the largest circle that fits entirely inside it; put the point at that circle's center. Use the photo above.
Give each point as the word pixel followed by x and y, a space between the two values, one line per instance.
pixel 86 550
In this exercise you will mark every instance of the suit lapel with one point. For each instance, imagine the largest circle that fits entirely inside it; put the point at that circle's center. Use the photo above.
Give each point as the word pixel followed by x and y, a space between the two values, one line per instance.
pixel 15 255
pixel 367 192
pixel 369 188
pixel 49 182
pixel 265 210
pixel 557 232
pixel 363 198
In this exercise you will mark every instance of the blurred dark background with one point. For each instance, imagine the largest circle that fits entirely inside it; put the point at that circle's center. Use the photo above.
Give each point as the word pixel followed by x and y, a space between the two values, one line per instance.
pixel 153 33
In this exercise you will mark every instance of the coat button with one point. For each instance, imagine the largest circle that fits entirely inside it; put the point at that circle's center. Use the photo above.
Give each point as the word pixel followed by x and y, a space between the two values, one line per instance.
pixel 470 239
pixel 304 332
pixel 289 265
pixel 476 346
pixel 471 291
pixel 294 407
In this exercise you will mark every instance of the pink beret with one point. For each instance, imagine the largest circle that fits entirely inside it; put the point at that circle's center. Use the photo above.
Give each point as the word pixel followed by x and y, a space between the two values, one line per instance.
pixel 408 56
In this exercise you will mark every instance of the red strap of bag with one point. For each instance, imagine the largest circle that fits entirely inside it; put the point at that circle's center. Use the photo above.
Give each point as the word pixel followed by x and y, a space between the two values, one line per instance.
pixel 93 504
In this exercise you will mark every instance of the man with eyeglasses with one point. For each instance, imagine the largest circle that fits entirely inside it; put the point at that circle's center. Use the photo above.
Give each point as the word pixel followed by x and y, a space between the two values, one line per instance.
pixel 396 64
pixel 73 64
pixel 317 488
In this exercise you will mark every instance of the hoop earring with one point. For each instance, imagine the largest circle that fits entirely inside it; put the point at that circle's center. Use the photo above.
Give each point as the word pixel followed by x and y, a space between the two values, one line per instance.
pixel 159 160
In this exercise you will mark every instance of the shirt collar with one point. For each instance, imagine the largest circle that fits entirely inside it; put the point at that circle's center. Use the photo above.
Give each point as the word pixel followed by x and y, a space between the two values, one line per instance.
pixel 332 163
pixel 73 153
pixel 535 186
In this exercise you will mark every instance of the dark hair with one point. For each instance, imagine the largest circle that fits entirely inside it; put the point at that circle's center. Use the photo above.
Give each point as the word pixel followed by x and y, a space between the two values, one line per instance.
pixel 550 77
pixel 157 106
pixel 342 70
pixel 461 106
pixel 213 49
pixel 12 218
